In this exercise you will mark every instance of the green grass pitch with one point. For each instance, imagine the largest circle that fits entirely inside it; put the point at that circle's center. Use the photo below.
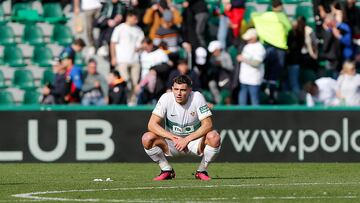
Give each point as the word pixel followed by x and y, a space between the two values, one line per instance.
pixel 232 182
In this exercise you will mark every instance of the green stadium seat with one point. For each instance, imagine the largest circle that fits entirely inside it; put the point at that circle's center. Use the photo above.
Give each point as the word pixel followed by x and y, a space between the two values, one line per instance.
pixel 307 12
pixel 33 35
pixel 61 35
pixel 23 12
pixel 292 1
pixel 6 98
pixel 13 56
pixel 23 79
pixel 3 19
pixel 263 98
pixel 42 56
pixel 2 80
pixel 263 1
pixel 287 98
pixel 7 35
pixel 31 97
pixel 48 77
pixel 307 75
pixel 53 13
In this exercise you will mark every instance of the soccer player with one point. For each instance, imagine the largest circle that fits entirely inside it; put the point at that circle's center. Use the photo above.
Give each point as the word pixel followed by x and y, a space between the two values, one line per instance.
pixel 188 129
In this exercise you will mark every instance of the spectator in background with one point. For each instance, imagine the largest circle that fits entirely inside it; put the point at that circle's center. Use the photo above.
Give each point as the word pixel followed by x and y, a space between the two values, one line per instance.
pixel 154 16
pixel 343 33
pixel 95 87
pixel 296 42
pixel 251 68
pixel 348 85
pixel 112 14
pixel 73 77
pixel 125 46
pixel 331 46
pixel 321 92
pixel 222 68
pixel 117 88
pixel 235 11
pixel 55 93
pixel 223 22
pixel 273 28
pixel 197 12
pixel 92 10
pixel 167 33
pixel 76 47
pixel 151 56
pixel 183 69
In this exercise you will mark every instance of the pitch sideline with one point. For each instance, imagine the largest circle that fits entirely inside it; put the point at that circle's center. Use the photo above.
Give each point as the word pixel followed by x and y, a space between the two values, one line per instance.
pixel 34 196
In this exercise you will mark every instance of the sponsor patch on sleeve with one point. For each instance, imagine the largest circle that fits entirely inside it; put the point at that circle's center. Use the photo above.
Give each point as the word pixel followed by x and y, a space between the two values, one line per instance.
pixel 204 109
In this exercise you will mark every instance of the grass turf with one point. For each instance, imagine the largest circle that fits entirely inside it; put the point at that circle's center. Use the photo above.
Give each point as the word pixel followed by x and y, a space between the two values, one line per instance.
pixel 232 182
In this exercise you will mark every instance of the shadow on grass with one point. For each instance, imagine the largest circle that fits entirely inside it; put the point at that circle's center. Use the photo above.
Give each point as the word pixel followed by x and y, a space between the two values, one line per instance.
pixel 247 178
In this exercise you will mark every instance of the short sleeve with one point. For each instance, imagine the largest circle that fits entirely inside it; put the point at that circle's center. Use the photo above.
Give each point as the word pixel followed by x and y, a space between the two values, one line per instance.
pixel 160 108
pixel 202 108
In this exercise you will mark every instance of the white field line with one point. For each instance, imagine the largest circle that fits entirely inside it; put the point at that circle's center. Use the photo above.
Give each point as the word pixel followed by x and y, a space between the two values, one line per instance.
pixel 305 197
pixel 35 196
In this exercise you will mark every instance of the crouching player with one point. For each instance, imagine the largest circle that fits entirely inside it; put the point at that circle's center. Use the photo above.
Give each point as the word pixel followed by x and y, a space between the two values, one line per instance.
pixel 188 129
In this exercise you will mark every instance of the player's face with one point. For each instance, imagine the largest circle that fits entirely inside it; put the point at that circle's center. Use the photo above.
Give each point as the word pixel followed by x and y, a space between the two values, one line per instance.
pixel 181 92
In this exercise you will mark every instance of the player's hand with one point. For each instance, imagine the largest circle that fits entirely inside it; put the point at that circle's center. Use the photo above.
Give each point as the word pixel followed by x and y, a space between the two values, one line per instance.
pixel 181 144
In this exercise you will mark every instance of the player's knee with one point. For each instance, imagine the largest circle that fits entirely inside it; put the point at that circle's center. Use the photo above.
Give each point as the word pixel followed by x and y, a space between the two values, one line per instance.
pixel 213 139
pixel 147 139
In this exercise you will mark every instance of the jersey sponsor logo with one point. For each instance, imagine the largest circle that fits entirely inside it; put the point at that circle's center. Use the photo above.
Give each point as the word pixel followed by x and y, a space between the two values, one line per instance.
pixel 204 109
pixel 182 130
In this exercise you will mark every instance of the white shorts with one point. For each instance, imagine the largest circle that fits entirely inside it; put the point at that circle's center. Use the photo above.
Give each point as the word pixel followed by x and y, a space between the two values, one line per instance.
pixel 193 147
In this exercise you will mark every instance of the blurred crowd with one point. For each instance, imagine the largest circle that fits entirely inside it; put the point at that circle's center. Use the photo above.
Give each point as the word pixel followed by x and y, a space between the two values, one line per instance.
pixel 148 43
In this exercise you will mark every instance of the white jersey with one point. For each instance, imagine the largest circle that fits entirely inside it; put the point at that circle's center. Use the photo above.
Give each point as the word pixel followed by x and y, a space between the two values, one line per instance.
pixel 180 119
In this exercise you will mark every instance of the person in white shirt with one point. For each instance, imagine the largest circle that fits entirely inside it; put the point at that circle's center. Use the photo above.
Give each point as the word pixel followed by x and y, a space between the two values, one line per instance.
pixel 124 48
pixel 321 92
pixel 251 68
pixel 348 85
pixel 188 129
pixel 92 10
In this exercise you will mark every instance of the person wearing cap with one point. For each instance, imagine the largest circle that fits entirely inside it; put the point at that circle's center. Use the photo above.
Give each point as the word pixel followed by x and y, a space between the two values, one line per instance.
pixel 155 15
pixel 251 68
pixel 167 33
pixel 220 71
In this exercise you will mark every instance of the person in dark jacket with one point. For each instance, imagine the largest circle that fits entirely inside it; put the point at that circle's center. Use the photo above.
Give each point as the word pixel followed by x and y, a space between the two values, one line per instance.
pixel 117 89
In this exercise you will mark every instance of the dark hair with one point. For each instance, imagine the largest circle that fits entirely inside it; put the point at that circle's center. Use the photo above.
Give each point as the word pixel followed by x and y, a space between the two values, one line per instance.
pixel 92 60
pixel 131 12
pixel 116 73
pixel 147 40
pixel 79 42
pixel 183 61
pixel 183 79
pixel 276 3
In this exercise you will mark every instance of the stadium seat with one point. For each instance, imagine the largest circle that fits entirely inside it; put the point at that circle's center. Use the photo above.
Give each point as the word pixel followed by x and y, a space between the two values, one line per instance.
pixel 307 12
pixel 31 97
pixel 42 56
pixel 33 35
pixel 53 13
pixel 23 79
pixel 2 80
pixel 3 19
pixel 61 35
pixel 307 75
pixel 7 35
pixel 48 77
pixel 263 98
pixel 24 13
pixel 13 56
pixel 288 98
pixel 6 98
pixel 263 1
pixel 292 1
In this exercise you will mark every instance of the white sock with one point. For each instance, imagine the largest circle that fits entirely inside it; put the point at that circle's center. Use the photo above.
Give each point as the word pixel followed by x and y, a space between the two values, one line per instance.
pixel 157 155
pixel 209 156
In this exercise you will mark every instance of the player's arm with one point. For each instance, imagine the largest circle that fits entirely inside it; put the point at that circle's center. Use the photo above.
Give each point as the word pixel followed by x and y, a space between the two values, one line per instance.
pixel 206 126
pixel 155 127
